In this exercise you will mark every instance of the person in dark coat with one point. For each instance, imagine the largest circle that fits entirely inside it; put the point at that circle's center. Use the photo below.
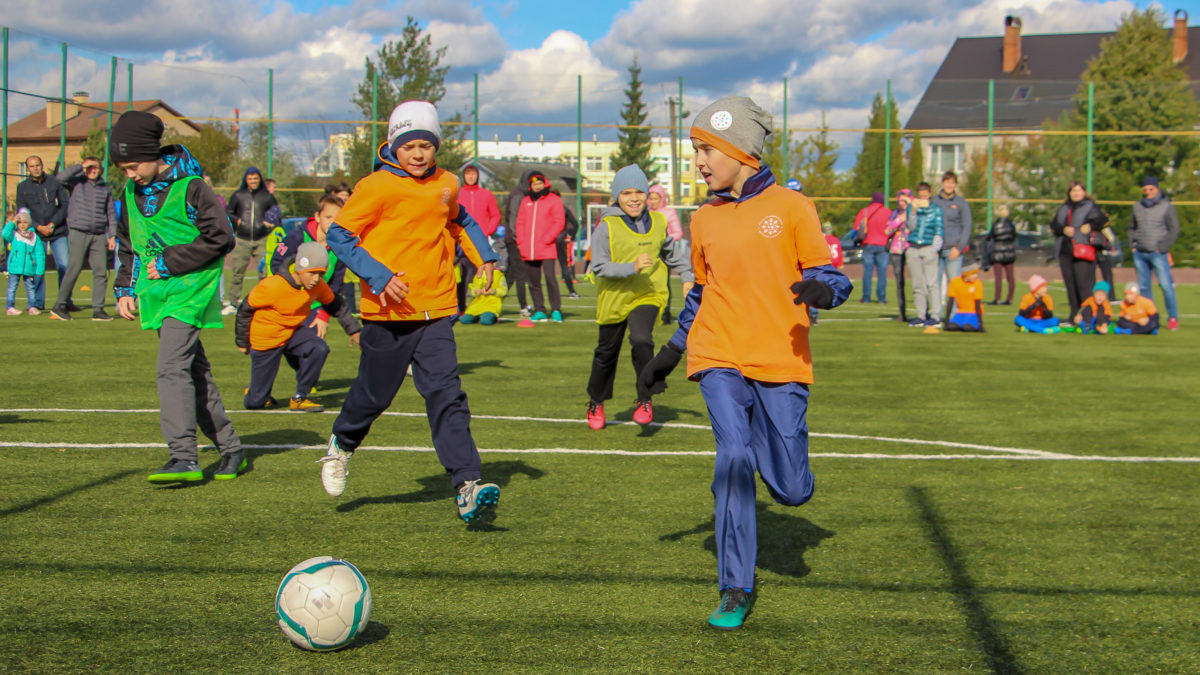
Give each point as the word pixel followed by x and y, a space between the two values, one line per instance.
pixel 247 209
pixel 1003 240
pixel 1077 221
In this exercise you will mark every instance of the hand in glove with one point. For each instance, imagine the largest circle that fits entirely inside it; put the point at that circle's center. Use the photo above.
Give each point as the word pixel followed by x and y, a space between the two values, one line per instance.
pixel 813 293
pixel 654 375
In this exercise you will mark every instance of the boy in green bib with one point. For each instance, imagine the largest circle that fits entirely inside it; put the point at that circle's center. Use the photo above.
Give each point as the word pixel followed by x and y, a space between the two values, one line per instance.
pixel 631 254
pixel 172 239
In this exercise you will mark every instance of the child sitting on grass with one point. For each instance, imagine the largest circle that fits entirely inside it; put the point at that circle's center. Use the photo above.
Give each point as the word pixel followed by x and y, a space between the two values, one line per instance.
pixel 966 294
pixel 1035 314
pixel 1095 315
pixel 26 262
pixel 1138 315
pixel 484 306
pixel 276 320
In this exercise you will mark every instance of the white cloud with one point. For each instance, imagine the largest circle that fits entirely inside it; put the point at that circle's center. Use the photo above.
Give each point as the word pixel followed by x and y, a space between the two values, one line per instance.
pixel 467 44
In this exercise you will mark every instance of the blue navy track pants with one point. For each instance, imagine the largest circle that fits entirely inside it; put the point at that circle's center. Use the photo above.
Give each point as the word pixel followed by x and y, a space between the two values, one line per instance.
pixel 388 348
pixel 305 352
pixel 759 427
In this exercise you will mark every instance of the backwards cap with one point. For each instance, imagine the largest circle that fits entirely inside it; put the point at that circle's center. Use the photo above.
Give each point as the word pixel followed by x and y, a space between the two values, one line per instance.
pixel 413 120
pixel 736 126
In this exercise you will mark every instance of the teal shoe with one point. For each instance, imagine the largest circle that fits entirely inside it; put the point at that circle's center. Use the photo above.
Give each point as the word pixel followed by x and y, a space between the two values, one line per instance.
pixel 556 316
pixel 538 316
pixel 466 318
pixel 732 612
pixel 177 471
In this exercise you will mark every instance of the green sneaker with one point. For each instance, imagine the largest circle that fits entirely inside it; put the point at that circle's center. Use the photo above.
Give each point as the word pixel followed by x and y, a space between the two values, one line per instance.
pixel 231 465
pixel 732 612
pixel 177 471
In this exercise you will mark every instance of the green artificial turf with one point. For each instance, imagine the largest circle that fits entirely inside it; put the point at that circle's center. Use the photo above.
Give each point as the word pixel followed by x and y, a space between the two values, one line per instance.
pixel 1002 558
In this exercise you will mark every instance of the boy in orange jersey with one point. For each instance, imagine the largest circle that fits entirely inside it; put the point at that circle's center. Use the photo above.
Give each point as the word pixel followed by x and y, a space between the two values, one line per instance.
pixel 966 291
pixel 1138 315
pixel 1095 314
pixel 397 232
pixel 761 263
pixel 276 321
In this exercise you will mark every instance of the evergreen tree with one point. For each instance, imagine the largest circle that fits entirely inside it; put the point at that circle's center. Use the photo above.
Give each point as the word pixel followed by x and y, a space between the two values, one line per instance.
pixel 916 164
pixel 634 144
pixel 868 173
pixel 816 157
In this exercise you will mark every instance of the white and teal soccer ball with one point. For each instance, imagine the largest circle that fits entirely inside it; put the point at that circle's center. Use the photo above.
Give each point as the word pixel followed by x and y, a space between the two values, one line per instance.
pixel 323 604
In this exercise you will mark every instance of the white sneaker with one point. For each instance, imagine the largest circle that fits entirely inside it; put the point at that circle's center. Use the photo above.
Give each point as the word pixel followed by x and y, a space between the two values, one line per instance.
pixel 476 499
pixel 228 310
pixel 335 466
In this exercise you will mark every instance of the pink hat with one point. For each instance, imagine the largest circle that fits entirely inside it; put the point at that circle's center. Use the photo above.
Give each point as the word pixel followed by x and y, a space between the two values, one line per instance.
pixel 1036 281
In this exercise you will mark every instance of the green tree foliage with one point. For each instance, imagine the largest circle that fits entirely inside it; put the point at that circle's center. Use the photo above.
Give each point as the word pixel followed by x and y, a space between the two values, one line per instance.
pixel 816 156
pixel 916 164
pixel 868 173
pixel 634 144
pixel 772 156
pixel 283 166
pixel 215 147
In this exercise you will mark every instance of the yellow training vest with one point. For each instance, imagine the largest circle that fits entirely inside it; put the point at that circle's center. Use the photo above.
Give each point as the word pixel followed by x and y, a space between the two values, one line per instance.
pixel 617 297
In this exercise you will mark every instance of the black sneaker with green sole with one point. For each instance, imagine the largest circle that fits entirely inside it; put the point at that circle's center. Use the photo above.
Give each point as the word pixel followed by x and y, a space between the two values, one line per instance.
pixel 177 471
pixel 231 465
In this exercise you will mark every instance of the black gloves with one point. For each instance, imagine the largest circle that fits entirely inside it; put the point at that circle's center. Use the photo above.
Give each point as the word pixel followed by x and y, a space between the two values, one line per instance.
pixel 816 294
pixel 654 376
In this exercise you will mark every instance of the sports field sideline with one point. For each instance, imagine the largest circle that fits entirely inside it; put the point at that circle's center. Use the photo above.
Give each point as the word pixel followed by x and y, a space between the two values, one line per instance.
pixel 1072 548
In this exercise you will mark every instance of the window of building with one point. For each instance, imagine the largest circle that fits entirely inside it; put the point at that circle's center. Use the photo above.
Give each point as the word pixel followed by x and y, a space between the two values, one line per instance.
pixel 1022 93
pixel 685 189
pixel 685 165
pixel 946 157
pixel 593 164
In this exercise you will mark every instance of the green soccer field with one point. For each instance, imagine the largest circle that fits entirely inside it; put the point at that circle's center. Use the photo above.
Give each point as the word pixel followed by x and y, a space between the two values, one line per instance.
pixel 1001 502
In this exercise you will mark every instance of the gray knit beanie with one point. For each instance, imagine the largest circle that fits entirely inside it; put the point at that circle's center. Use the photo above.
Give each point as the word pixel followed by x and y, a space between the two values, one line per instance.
pixel 629 178
pixel 736 126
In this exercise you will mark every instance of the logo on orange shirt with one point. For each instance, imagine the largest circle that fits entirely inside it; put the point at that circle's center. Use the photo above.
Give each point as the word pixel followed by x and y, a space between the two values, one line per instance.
pixel 445 195
pixel 770 227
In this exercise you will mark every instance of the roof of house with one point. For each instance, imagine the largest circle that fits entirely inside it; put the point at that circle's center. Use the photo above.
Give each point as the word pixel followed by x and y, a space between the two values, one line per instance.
pixel 92 114
pixel 1041 88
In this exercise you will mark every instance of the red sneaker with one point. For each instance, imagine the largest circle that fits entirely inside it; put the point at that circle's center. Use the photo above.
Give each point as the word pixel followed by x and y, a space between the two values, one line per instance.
pixel 595 415
pixel 1172 324
pixel 643 412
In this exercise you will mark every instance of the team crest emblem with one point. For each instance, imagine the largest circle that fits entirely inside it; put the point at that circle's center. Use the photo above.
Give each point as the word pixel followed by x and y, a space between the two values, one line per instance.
pixel 721 120
pixel 445 195
pixel 770 227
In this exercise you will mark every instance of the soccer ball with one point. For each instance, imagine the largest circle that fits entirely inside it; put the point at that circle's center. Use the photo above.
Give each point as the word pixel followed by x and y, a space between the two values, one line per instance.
pixel 323 603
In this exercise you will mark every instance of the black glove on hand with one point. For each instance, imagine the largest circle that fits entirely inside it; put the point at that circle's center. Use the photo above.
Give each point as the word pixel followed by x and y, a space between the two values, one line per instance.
pixel 813 293
pixel 654 376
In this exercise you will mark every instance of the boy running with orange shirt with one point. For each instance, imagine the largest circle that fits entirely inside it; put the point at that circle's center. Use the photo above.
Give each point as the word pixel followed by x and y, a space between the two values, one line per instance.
pixel 761 263
pixel 397 232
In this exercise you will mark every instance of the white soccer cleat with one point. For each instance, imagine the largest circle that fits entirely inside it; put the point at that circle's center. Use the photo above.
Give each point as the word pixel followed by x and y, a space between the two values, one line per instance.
pixel 335 467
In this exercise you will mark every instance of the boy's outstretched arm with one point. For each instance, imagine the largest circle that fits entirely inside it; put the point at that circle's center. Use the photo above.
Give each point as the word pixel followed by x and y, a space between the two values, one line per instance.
pixel 822 287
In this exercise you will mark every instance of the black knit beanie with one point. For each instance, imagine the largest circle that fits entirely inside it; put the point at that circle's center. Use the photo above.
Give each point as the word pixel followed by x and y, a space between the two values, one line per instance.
pixel 136 137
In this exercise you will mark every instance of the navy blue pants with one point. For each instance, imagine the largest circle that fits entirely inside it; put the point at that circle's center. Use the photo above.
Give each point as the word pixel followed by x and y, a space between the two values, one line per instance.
pixel 759 427
pixel 388 349
pixel 305 353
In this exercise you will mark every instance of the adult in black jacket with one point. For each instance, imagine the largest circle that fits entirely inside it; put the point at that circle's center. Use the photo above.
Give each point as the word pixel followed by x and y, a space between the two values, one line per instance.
pixel 1078 222
pixel 1003 239
pixel 565 239
pixel 47 201
pixel 246 208
pixel 517 274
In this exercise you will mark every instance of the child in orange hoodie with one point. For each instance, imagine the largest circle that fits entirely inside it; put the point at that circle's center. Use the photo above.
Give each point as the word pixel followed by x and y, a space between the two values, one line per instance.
pixel 397 232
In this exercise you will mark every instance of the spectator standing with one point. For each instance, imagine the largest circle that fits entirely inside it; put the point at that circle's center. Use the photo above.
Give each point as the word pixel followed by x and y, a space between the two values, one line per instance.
pixel 926 229
pixel 897 232
pixel 563 244
pixel 247 209
pixel 1003 238
pixel 26 262
pixel 46 199
pixel 870 226
pixel 956 214
pixel 517 273
pixel 657 201
pixel 539 222
pixel 481 204
pixel 1073 226
pixel 92 226
pixel 1153 229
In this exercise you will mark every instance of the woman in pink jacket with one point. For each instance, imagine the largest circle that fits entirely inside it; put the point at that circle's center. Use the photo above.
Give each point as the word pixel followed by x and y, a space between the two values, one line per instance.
pixel 656 200
pixel 540 219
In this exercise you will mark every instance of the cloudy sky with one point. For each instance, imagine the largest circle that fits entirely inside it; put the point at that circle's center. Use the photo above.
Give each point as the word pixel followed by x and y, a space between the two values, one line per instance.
pixel 208 57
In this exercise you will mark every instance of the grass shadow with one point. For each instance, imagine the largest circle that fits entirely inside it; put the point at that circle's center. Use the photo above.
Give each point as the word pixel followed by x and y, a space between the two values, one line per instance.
pixel 782 540
pixel 287 440
pixel 17 419
pixel 470 367
pixel 373 632
pixel 49 499
pixel 979 620
pixel 435 488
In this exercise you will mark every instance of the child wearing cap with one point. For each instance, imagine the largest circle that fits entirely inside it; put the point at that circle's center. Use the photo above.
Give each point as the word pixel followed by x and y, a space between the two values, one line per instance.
pixel 172 238
pixel 1035 314
pixel 1138 315
pixel 966 301
pixel 316 228
pixel 760 263
pixel 631 255
pixel 276 320
pixel 397 232
pixel 1095 315
pixel 540 219
pixel 26 261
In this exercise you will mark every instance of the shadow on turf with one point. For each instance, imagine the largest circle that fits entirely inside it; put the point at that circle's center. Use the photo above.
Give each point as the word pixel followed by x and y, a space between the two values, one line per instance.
pixel 782 540
pixel 662 415
pixel 472 366
pixel 17 419
pixel 49 499
pixel 436 488
pixel 985 630
pixel 294 438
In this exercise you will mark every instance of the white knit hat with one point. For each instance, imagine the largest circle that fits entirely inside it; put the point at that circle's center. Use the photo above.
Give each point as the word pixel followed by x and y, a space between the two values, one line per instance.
pixel 414 120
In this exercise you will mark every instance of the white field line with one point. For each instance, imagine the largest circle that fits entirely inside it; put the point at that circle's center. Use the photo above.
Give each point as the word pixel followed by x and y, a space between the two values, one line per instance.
pixel 628 453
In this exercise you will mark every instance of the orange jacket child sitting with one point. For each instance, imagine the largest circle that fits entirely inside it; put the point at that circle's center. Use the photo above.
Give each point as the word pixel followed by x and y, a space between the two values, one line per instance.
pixel 1095 315
pixel 1138 315
pixel 967 293
pixel 277 321
pixel 1036 311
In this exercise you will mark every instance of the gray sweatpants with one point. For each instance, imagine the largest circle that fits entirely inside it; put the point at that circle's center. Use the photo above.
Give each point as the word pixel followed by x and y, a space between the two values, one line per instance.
pixel 187 394
pixel 922 263
pixel 93 247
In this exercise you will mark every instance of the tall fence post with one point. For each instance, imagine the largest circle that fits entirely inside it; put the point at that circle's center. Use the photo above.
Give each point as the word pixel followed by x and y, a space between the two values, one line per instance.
pixel 270 121
pixel 129 80
pixel 991 128
pixel 887 146
pixel 1090 130
pixel 374 110
pixel 4 121
pixel 678 172
pixel 784 147
pixel 62 112
pixel 112 93
pixel 475 157
pixel 579 147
